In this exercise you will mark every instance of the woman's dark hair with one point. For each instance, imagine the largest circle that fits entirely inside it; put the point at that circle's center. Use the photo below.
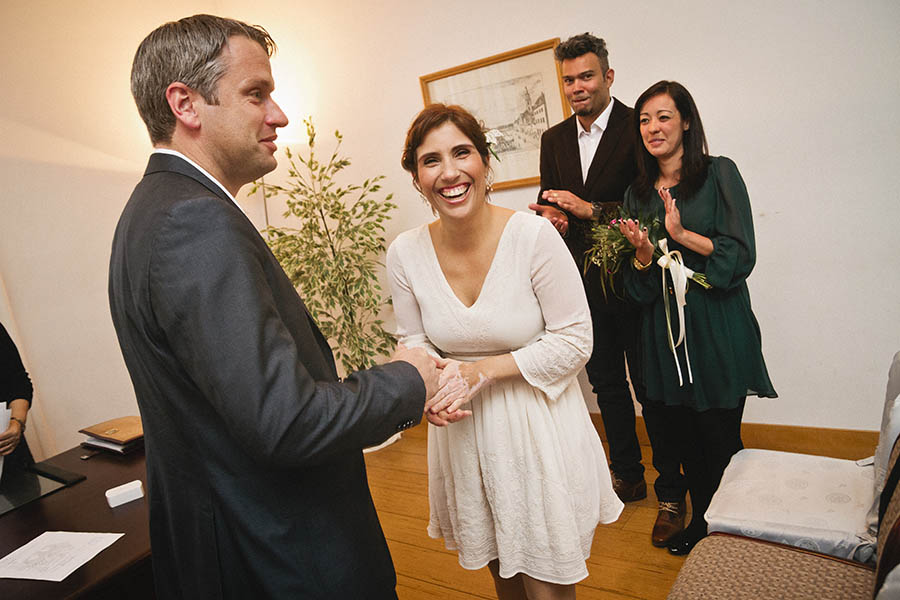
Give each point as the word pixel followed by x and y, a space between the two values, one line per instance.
pixel 695 160
pixel 432 117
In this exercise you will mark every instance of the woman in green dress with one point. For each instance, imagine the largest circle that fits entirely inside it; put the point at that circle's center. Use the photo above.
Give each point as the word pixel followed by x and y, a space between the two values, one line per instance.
pixel 703 205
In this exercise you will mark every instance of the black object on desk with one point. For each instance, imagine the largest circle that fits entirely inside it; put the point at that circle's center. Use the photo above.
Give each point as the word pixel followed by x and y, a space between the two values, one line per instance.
pixel 39 479
pixel 51 471
pixel 23 487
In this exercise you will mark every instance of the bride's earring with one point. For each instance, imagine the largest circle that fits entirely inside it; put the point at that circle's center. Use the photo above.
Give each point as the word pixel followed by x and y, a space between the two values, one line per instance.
pixel 489 181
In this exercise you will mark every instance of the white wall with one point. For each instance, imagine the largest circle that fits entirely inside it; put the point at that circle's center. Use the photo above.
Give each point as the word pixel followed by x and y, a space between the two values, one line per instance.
pixel 71 149
pixel 799 94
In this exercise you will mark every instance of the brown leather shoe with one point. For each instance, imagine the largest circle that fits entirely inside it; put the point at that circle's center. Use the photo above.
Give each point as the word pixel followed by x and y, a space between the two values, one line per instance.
pixel 629 492
pixel 669 521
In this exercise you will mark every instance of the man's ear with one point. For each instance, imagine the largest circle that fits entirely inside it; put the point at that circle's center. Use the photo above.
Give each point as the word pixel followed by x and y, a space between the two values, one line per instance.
pixel 610 77
pixel 181 101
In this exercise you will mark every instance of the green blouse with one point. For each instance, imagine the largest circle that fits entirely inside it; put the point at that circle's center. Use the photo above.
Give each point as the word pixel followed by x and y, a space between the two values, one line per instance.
pixel 723 338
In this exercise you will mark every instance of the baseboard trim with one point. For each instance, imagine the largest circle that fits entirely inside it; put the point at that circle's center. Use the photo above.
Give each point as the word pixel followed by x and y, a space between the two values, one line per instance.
pixel 840 443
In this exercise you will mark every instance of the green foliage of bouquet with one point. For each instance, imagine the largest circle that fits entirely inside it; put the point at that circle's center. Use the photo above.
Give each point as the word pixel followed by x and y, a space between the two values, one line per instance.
pixel 333 255
pixel 611 250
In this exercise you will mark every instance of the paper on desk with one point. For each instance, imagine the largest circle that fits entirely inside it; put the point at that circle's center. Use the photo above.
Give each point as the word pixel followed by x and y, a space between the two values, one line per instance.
pixel 53 555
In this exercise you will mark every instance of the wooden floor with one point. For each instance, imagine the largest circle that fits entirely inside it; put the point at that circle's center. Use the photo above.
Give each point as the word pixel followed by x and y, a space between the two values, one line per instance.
pixel 623 563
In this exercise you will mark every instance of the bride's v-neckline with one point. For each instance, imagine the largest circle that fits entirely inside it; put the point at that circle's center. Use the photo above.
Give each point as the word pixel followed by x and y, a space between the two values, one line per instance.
pixel 487 276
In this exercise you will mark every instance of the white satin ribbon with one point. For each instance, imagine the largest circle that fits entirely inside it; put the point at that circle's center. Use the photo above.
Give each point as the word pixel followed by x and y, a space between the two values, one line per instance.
pixel 680 278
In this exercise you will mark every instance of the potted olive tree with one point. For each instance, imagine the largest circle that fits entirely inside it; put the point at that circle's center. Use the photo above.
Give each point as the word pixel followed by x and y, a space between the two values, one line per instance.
pixel 334 252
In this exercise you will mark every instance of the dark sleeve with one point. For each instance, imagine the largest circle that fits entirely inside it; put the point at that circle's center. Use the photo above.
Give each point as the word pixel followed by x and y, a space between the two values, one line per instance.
pixel 211 297
pixel 578 236
pixel 14 381
pixel 549 179
pixel 643 286
pixel 734 243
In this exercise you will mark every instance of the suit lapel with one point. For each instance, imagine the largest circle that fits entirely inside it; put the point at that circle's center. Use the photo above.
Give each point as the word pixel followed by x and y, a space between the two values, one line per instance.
pixel 615 129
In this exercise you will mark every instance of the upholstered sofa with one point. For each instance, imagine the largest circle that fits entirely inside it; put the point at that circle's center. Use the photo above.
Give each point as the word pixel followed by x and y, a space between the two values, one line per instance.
pixel 827 505
pixel 844 509
pixel 729 567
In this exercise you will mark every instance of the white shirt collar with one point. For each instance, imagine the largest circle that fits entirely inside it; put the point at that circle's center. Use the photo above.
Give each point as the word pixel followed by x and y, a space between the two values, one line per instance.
pixel 601 122
pixel 199 168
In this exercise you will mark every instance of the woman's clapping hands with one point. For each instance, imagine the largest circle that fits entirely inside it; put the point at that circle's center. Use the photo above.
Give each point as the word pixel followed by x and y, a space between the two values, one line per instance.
pixel 637 235
pixel 673 215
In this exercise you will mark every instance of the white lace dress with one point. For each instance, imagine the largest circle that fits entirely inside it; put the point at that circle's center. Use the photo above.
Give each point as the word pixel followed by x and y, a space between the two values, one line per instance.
pixel 524 479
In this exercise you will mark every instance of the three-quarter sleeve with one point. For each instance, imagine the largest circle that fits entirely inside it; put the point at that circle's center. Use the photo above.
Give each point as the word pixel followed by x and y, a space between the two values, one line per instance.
pixel 410 330
pixel 14 381
pixel 552 361
pixel 734 244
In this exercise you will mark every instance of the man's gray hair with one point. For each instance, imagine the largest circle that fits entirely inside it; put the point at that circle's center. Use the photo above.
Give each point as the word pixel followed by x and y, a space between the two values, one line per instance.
pixel 188 51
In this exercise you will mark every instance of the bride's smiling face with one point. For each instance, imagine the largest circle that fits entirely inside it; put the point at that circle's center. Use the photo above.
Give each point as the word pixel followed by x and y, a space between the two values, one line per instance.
pixel 450 172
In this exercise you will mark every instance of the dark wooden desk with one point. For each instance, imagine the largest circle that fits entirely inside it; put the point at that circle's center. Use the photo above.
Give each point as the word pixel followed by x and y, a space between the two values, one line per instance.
pixel 123 570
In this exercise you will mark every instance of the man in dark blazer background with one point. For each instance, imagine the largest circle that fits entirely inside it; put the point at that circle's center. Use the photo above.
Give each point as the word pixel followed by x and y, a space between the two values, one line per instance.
pixel 587 163
pixel 256 480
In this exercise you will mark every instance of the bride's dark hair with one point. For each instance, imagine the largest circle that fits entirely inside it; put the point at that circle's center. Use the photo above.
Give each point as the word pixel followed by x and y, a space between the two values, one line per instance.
pixel 432 117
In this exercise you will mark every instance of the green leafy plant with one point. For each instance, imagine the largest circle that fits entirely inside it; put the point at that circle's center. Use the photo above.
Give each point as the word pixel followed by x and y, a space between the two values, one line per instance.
pixel 334 253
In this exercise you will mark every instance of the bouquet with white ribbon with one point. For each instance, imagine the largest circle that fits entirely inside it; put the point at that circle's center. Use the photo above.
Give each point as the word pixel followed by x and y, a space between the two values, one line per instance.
pixel 611 250
pixel 672 262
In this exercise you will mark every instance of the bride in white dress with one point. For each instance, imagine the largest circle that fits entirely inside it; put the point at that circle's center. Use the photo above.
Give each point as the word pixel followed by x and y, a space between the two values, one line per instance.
pixel 517 477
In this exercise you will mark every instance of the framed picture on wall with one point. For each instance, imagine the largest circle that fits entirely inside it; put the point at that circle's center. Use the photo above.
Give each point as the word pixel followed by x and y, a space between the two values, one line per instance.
pixel 517 94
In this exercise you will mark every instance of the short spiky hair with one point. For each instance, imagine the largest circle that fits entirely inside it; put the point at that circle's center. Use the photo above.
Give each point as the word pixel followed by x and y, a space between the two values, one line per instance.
pixel 189 51
pixel 579 45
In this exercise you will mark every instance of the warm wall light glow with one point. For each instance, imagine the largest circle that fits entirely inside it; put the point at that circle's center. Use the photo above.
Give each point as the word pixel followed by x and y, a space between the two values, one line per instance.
pixel 295 94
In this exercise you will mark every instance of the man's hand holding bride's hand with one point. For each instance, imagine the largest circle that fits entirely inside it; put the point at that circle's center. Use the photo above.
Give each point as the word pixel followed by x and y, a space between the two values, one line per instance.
pixel 427 366
pixel 459 383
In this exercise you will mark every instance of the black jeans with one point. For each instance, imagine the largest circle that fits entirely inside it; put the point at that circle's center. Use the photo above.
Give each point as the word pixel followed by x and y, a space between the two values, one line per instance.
pixel 617 334
pixel 614 338
pixel 706 441
pixel 670 485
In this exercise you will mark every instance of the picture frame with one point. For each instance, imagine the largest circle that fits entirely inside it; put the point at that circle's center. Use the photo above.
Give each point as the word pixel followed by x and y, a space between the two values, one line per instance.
pixel 519 94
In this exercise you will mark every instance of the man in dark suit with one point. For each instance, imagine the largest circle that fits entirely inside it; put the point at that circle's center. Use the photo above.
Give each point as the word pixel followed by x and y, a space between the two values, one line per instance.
pixel 587 163
pixel 256 480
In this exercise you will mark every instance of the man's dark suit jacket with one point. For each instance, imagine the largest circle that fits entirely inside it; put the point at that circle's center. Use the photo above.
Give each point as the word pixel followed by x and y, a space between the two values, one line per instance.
pixel 611 172
pixel 255 475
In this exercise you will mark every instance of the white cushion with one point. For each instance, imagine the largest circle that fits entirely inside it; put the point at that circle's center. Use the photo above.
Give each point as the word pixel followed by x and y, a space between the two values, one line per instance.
pixel 890 429
pixel 811 502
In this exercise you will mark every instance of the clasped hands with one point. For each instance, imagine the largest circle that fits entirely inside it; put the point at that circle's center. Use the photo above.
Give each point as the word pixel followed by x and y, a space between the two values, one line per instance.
pixel 458 384
pixel 565 200
pixel 448 384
